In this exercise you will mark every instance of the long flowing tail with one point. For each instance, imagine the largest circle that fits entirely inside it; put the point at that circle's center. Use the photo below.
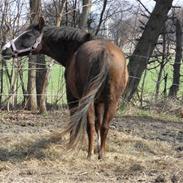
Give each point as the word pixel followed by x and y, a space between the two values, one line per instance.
pixel 96 78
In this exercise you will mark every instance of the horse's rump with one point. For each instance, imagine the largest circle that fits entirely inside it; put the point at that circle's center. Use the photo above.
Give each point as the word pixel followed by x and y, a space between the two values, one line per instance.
pixel 88 60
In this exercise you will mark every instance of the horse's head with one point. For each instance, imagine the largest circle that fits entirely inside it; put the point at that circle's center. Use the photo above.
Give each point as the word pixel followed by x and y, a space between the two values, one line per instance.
pixel 30 41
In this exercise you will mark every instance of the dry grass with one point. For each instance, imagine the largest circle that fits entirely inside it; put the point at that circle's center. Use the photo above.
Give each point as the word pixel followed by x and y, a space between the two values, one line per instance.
pixel 28 153
pixel 167 110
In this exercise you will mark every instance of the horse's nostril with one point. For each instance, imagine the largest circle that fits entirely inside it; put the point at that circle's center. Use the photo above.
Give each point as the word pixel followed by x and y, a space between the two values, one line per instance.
pixel 6 53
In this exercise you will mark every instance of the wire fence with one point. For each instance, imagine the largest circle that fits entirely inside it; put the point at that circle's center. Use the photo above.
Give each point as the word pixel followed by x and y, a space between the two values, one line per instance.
pixel 56 92
pixel 15 94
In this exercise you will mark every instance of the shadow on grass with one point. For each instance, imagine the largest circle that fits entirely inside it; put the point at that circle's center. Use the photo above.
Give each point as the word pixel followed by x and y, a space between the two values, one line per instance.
pixel 156 119
pixel 35 150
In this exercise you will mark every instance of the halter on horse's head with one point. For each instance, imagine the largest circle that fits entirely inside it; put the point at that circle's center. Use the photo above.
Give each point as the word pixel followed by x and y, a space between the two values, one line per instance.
pixel 27 43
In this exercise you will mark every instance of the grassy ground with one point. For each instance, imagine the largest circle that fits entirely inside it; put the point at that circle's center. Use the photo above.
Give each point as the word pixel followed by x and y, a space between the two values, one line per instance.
pixel 152 75
pixel 141 148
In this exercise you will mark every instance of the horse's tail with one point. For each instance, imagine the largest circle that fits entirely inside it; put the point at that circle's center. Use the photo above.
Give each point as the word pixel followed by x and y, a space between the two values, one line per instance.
pixel 96 79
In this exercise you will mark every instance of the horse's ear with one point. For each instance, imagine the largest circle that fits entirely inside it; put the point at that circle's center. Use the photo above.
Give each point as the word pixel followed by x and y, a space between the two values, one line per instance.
pixel 88 37
pixel 41 23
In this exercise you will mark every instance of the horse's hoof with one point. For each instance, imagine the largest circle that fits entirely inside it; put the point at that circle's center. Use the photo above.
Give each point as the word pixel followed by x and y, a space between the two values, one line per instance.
pixel 100 157
pixel 89 157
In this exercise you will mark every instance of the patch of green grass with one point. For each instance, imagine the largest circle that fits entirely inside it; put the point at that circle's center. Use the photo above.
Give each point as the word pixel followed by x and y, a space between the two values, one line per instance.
pixel 56 86
pixel 159 116
pixel 152 75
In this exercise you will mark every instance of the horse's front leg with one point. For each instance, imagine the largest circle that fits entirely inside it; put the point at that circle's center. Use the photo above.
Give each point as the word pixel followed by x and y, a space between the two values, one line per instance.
pixel 72 104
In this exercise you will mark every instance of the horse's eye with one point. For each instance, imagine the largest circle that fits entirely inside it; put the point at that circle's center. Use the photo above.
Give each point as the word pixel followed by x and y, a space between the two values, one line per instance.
pixel 27 36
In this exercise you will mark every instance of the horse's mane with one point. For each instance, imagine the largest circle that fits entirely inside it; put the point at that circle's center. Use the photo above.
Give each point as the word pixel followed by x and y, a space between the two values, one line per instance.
pixel 66 33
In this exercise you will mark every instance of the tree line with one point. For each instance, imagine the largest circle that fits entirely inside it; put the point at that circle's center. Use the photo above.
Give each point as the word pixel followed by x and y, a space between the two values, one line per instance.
pixel 151 39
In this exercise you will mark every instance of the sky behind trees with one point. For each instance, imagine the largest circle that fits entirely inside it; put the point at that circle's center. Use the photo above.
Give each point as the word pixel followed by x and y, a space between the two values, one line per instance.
pixel 150 3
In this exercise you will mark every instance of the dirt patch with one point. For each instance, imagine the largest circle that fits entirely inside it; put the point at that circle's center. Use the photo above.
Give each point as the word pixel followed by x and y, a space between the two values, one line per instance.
pixel 139 150
pixel 149 128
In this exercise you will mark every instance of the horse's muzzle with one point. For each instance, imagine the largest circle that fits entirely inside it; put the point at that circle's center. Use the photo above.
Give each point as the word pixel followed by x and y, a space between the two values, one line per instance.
pixel 7 53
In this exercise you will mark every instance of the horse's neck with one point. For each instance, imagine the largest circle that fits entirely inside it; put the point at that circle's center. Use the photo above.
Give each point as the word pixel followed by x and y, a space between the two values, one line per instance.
pixel 54 50
pixel 60 50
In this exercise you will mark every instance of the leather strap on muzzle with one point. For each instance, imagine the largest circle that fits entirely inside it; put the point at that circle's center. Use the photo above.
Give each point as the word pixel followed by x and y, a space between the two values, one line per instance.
pixel 30 49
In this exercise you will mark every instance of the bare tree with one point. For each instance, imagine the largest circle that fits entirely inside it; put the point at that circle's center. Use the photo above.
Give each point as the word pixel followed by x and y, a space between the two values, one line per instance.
pixel 10 25
pixel 32 98
pixel 42 73
pixel 86 8
pixel 176 67
pixel 3 38
pixel 101 16
pixel 162 62
pixel 138 61
pixel 42 77
pixel 59 9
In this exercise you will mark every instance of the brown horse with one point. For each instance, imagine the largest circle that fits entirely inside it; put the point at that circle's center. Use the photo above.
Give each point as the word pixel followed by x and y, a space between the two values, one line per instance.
pixel 95 72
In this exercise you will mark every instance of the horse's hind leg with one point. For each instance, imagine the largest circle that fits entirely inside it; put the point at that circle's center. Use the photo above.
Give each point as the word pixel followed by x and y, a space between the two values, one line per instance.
pixel 99 110
pixel 91 129
pixel 109 112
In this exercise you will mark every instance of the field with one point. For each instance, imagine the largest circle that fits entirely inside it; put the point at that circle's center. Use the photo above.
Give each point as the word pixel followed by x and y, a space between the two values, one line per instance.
pixel 141 148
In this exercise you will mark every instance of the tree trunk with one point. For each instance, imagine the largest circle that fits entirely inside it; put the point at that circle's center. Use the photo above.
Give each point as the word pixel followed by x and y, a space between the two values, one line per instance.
pixel 1 80
pixel 31 88
pixel 178 57
pixel 66 13
pixel 140 57
pixel 162 65
pixel 74 15
pixel 3 38
pixel 20 72
pixel 41 83
pixel 165 85
pixel 60 13
pixel 85 13
pixel 41 79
